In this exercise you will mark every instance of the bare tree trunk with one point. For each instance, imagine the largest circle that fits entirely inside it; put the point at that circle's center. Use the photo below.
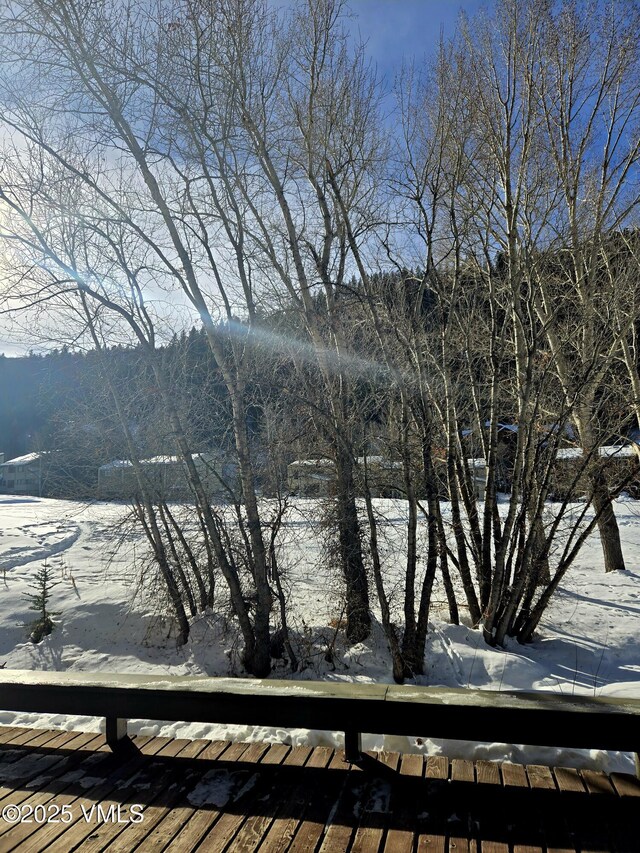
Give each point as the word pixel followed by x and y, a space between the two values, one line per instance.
pixel 184 581
pixel 256 637
pixel 195 568
pixel 391 633
pixel 607 524
pixel 461 541
pixel 433 507
pixel 349 539
pixel 410 653
pixel 274 568
pixel 148 520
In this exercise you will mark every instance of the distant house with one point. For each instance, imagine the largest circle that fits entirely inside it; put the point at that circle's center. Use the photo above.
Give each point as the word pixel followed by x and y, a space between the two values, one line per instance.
pixel 116 479
pixel 315 478
pixel 616 460
pixel 23 475
pixel 311 478
pixel 166 476
pixel 385 476
pixel 507 438
pixel 607 451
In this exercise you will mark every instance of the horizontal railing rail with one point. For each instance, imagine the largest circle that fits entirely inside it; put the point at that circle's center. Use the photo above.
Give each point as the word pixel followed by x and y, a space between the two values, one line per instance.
pixel 540 719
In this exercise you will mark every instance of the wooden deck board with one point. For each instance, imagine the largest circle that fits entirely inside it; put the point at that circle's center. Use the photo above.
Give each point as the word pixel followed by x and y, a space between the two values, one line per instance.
pixel 162 786
pixel 625 830
pixel 432 806
pixel 404 804
pixel 376 810
pixel 248 793
pixel 7 732
pixel 348 789
pixel 237 798
pixel 184 827
pixel 280 827
pixel 66 788
pixel 310 821
pixel 257 823
pixel 461 827
pixel 182 824
pixel 177 818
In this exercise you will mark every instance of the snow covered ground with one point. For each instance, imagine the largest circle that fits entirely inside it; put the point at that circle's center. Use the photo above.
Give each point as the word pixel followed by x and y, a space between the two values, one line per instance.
pixel 589 642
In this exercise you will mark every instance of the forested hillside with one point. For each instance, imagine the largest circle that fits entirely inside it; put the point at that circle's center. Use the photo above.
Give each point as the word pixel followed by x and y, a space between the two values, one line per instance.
pixel 32 390
pixel 50 400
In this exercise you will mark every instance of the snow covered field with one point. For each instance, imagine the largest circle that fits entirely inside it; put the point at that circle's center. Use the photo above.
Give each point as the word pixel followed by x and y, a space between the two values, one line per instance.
pixel 589 642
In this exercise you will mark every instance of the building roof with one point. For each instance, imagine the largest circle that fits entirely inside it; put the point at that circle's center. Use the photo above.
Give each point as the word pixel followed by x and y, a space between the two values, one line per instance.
pixel 115 463
pixel 378 461
pixel 155 460
pixel 126 463
pixel 312 462
pixel 477 463
pixel 607 450
pixel 618 450
pixel 27 459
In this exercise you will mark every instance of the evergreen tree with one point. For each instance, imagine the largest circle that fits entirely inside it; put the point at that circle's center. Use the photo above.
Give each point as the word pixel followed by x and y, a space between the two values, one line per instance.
pixel 42 586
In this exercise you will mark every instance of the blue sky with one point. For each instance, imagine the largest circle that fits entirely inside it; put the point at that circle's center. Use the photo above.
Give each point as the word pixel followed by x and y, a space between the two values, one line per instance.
pixel 397 28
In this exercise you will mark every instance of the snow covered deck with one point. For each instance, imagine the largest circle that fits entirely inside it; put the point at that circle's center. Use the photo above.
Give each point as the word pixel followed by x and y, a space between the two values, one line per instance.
pixel 217 796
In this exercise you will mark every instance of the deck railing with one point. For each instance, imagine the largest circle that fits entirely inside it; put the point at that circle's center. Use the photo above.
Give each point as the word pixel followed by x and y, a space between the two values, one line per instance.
pixel 540 719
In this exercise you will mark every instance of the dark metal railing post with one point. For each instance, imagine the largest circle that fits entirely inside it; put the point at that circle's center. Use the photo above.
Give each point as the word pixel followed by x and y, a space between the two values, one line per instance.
pixel 116 734
pixel 352 747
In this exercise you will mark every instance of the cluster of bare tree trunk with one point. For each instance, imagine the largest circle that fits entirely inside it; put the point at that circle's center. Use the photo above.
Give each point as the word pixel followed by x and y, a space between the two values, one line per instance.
pixel 237 163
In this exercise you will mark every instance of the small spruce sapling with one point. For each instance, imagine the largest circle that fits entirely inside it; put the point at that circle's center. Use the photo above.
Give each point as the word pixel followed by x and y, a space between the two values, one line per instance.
pixel 41 585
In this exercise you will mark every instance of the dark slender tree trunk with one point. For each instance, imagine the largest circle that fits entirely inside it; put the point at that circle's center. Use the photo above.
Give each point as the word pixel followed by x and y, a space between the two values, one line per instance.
pixel 600 498
pixel 412 659
pixel 607 525
pixel 184 581
pixel 397 662
pixel 202 590
pixel 146 514
pixel 461 545
pixel 350 544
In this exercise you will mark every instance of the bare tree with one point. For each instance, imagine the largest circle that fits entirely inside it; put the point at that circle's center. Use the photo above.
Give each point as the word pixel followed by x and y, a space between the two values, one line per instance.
pixel 486 198
pixel 585 67
pixel 128 171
